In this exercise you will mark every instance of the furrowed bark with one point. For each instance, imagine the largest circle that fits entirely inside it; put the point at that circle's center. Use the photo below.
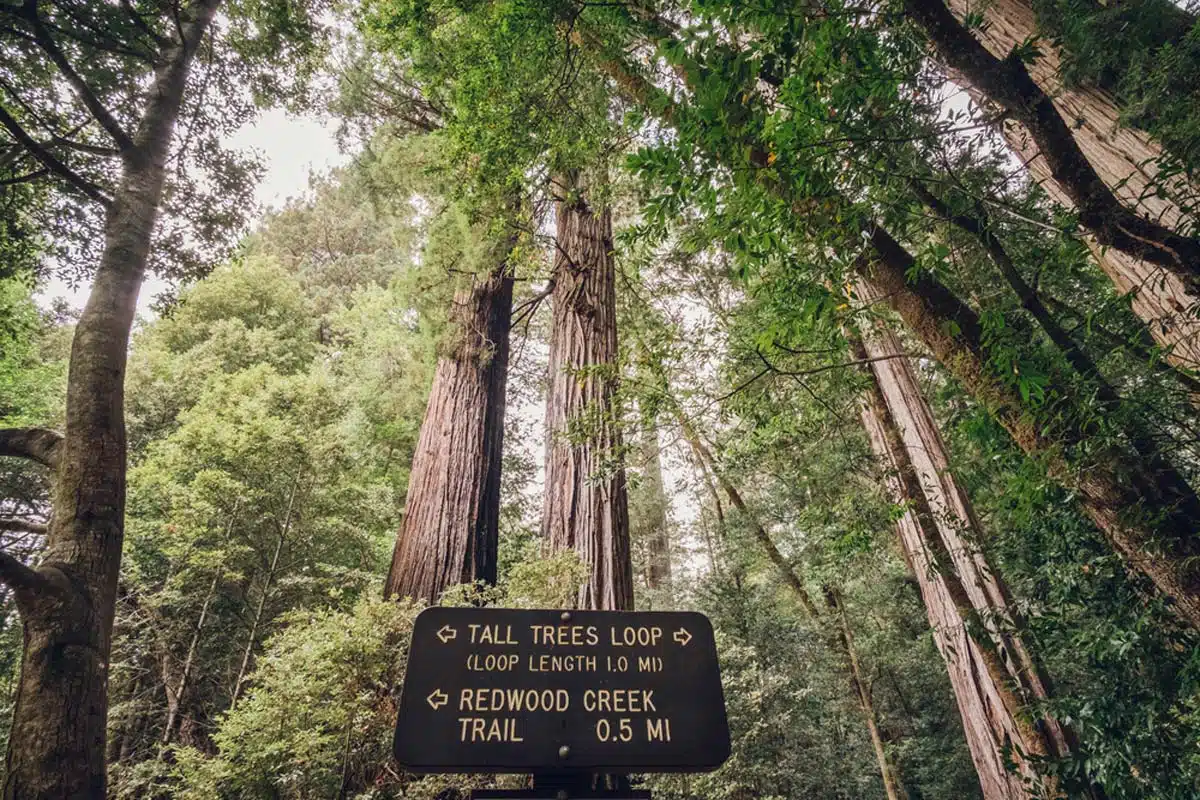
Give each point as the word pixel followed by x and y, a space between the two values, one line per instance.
pixel 586 506
pixel 1008 84
pixel 1122 499
pixel 1125 159
pixel 450 532
pixel 988 723
pixel 906 439
pixel 56 747
pixel 1139 519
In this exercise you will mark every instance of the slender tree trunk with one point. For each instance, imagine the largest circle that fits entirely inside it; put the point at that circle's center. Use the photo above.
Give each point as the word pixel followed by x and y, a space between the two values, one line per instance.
pixel 175 696
pixel 260 609
pixel 586 507
pixel 1154 535
pixel 56 747
pixel 843 642
pixel 450 532
pixel 1123 157
pixel 862 691
pixel 655 533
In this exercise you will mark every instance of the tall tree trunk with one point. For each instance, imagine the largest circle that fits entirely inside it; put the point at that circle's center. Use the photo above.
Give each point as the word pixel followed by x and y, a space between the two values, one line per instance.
pixel 842 642
pixel 175 694
pixel 586 506
pixel 268 583
pixel 1124 158
pixel 1154 533
pixel 862 691
pixel 56 747
pixel 940 533
pixel 654 517
pixel 450 532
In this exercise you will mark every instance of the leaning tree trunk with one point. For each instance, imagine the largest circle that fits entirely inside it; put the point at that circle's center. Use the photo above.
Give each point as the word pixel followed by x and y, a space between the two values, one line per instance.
pixel 56 746
pixel 1152 531
pixel 1125 158
pixel 450 532
pixel 586 506
pixel 996 680
pixel 842 641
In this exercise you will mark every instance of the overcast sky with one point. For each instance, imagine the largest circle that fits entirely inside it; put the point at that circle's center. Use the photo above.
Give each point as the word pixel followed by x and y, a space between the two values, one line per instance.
pixel 291 147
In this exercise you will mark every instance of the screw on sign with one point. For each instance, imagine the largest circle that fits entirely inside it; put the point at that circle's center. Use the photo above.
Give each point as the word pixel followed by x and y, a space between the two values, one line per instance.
pixel 559 693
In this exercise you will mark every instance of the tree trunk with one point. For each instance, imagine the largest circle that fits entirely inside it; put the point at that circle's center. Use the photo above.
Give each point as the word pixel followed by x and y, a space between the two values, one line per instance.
pixel 260 609
pixel 843 642
pixel 67 604
pixel 654 517
pixel 862 691
pixel 938 536
pixel 586 507
pixel 1125 158
pixel 1151 533
pixel 450 532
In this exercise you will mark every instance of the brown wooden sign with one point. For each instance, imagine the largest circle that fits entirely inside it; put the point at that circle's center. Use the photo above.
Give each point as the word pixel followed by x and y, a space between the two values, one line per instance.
pixel 511 690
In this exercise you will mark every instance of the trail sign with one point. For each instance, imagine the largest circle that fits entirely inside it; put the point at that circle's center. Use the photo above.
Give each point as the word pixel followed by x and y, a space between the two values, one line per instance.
pixel 509 690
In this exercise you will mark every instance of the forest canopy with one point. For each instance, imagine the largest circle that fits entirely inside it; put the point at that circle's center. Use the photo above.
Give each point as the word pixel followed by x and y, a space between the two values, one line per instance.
pixel 870 330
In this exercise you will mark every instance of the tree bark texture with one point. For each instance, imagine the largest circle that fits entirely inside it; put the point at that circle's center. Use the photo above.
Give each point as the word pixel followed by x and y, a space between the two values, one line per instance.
pixel 905 437
pixel 1152 531
pixel 1124 158
pixel 586 506
pixel 56 748
pixel 450 532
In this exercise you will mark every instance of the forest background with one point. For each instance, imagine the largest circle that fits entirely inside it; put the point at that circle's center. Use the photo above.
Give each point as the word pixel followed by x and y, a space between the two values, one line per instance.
pixel 868 329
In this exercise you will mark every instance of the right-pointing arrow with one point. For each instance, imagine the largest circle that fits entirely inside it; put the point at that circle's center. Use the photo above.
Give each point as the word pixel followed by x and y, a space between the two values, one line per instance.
pixel 437 699
pixel 682 636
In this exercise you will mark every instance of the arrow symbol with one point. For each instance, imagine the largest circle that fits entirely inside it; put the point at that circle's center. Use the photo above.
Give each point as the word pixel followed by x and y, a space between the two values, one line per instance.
pixel 437 699
pixel 682 636
pixel 446 633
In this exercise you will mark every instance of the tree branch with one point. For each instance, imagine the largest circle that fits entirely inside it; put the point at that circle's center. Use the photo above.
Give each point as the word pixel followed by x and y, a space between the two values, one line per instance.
pixel 53 164
pixel 25 581
pixel 18 525
pixel 37 444
pixel 85 92
pixel 1008 83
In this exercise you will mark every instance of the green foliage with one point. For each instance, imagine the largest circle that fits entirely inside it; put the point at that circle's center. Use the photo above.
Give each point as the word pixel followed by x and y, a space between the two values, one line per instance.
pixel 321 715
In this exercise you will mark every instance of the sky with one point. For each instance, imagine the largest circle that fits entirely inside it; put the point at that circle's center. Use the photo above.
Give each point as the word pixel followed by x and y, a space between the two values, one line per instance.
pixel 291 147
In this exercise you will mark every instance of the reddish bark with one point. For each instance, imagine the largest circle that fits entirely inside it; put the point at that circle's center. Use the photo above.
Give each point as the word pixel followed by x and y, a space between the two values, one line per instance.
pixel 450 532
pixel 1124 158
pixel 586 506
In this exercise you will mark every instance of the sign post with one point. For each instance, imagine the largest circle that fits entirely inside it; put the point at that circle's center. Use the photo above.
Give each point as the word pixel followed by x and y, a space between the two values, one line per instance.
pixel 561 694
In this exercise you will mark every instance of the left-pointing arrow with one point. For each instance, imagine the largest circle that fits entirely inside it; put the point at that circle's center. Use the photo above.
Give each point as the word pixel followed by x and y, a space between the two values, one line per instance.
pixel 437 699
pixel 446 633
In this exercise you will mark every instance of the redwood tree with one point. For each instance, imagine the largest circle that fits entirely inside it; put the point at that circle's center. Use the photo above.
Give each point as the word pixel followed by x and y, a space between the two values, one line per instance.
pixel 586 505
pixel 451 522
